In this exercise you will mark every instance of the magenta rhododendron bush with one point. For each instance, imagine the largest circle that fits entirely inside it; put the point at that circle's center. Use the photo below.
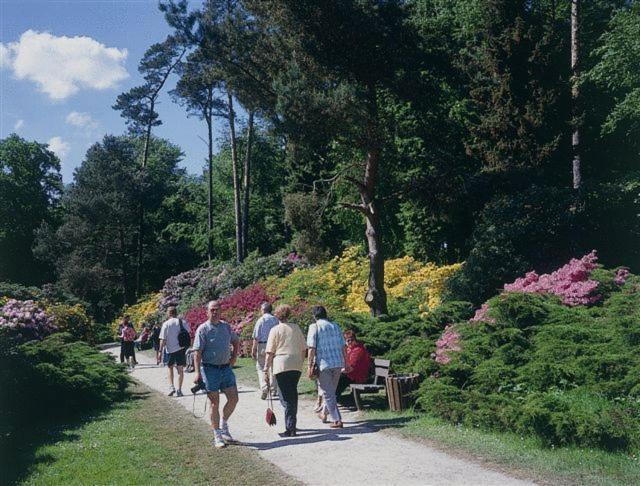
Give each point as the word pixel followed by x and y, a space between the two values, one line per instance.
pixel 238 309
pixel 570 282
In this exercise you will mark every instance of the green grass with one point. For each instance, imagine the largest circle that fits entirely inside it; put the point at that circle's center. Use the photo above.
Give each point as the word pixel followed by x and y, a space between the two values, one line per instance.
pixel 522 456
pixel 145 440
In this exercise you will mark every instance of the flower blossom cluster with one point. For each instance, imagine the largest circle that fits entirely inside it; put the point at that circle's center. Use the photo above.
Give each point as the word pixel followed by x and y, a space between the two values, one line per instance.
pixel 622 274
pixel 570 282
pixel 238 308
pixel 176 287
pixel 481 315
pixel 26 315
pixel 449 342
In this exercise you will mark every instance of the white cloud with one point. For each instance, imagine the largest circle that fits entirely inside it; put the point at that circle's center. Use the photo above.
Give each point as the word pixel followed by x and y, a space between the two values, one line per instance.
pixel 59 147
pixel 61 66
pixel 81 120
pixel 19 124
pixel 4 56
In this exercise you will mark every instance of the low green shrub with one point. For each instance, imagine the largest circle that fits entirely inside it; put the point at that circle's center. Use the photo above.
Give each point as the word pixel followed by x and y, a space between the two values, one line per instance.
pixel 570 375
pixel 57 376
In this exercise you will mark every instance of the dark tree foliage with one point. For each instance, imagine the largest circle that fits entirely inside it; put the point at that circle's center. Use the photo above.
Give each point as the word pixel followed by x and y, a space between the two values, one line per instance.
pixel 94 250
pixel 30 187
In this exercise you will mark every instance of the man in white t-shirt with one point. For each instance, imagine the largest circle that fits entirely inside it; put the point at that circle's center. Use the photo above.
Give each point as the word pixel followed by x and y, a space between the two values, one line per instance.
pixel 169 340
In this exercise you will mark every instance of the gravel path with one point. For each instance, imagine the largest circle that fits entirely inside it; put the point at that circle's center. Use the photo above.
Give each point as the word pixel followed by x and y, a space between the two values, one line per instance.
pixel 358 454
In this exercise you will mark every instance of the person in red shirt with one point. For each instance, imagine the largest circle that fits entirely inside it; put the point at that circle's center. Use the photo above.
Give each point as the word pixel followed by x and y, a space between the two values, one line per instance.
pixel 358 360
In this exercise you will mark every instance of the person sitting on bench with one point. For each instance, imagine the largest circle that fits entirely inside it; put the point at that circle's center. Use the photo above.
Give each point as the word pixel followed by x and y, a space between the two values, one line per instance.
pixel 358 360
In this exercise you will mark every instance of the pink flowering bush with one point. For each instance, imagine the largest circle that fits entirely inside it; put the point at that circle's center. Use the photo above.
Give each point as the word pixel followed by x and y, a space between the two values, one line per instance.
pixel 25 315
pixel 570 282
pixel 622 274
pixel 449 342
pixel 481 315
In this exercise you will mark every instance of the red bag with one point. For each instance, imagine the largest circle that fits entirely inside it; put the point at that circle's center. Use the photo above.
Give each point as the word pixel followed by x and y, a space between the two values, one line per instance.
pixel 270 415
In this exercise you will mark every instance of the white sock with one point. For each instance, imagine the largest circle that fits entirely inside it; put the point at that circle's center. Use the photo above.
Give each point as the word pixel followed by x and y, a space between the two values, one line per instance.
pixel 223 424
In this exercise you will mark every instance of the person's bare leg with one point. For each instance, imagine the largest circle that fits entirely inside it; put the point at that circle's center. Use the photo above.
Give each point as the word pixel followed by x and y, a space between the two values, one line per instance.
pixel 232 401
pixel 214 398
pixel 171 376
pixel 180 376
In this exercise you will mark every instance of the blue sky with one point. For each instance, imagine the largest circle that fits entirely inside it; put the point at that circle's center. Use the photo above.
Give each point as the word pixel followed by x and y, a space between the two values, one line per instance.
pixel 63 65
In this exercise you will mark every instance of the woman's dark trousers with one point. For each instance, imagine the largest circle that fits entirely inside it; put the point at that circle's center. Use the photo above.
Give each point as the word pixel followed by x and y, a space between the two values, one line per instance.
pixel 288 386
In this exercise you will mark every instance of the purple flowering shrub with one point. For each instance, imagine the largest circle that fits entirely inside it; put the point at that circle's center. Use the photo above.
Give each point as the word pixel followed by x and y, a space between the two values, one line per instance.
pixel 26 316
pixel 181 286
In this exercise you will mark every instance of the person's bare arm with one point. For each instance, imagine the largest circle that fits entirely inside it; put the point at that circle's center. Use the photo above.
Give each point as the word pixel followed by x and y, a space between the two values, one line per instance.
pixel 234 353
pixel 197 361
pixel 254 349
pixel 312 357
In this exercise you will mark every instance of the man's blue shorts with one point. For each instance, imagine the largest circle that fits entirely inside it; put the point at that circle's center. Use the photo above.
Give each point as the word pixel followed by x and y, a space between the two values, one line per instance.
pixel 218 379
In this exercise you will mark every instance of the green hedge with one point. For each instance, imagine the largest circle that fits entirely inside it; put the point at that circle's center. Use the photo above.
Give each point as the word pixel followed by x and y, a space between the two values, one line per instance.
pixel 570 375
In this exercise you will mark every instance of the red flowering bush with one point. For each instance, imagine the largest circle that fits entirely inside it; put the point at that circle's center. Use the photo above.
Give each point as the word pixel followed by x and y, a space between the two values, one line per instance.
pixel 195 317
pixel 238 308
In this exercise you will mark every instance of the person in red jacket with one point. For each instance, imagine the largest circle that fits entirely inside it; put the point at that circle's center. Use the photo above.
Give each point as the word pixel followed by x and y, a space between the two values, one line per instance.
pixel 358 360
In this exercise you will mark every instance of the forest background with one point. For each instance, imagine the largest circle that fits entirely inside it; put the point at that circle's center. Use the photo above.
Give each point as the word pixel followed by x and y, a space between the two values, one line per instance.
pixel 497 133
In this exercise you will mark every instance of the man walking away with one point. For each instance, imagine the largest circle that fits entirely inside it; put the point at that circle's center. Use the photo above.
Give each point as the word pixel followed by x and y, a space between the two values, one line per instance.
pixel 169 341
pixel 327 348
pixel 213 362
pixel 258 351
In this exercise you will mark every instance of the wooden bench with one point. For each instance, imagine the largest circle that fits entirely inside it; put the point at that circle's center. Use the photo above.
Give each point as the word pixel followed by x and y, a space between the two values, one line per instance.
pixel 381 373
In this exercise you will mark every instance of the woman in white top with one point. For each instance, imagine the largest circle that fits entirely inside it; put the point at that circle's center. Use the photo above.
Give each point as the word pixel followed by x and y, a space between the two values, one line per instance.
pixel 285 350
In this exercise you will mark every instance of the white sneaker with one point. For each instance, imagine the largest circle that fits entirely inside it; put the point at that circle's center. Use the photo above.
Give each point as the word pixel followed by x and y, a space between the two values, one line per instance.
pixel 218 442
pixel 226 436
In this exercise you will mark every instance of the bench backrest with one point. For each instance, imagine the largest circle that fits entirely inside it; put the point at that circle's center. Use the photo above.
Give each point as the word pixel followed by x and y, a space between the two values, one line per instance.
pixel 382 370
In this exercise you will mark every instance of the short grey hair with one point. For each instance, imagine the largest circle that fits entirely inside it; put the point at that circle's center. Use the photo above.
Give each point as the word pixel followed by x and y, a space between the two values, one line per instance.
pixel 213 303
pixel 266 307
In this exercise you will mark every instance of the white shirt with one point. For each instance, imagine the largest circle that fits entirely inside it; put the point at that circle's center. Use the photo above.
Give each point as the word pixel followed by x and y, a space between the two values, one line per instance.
pixel 169 332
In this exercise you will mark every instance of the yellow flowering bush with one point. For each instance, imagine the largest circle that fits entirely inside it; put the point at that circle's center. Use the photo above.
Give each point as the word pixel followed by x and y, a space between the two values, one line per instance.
pixel 143 312
pixel 342 281
pixel 74 320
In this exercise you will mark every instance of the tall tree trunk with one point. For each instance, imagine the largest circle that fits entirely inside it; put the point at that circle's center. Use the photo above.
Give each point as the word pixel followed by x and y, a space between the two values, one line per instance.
pixel 125 266
pixel 246 188
pixel 236 181
pixel 140 240
pixel 575 93
pixel 210 187
pixel 376 297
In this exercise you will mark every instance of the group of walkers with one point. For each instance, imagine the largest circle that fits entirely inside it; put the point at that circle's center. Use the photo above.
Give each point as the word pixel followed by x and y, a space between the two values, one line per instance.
pixel 279 347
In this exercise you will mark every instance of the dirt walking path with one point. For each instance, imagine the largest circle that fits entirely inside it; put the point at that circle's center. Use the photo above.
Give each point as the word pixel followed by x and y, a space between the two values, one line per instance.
pixel 359 454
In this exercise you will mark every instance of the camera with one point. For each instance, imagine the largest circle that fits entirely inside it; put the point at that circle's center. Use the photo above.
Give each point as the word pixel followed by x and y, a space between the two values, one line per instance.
pixel 199 385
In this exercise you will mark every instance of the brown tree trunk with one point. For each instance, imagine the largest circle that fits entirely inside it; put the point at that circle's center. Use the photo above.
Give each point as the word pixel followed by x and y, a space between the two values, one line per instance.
pixel 575 93
pixel 236 182
pixel 246 188
pixel 376 296
pixel 140 239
